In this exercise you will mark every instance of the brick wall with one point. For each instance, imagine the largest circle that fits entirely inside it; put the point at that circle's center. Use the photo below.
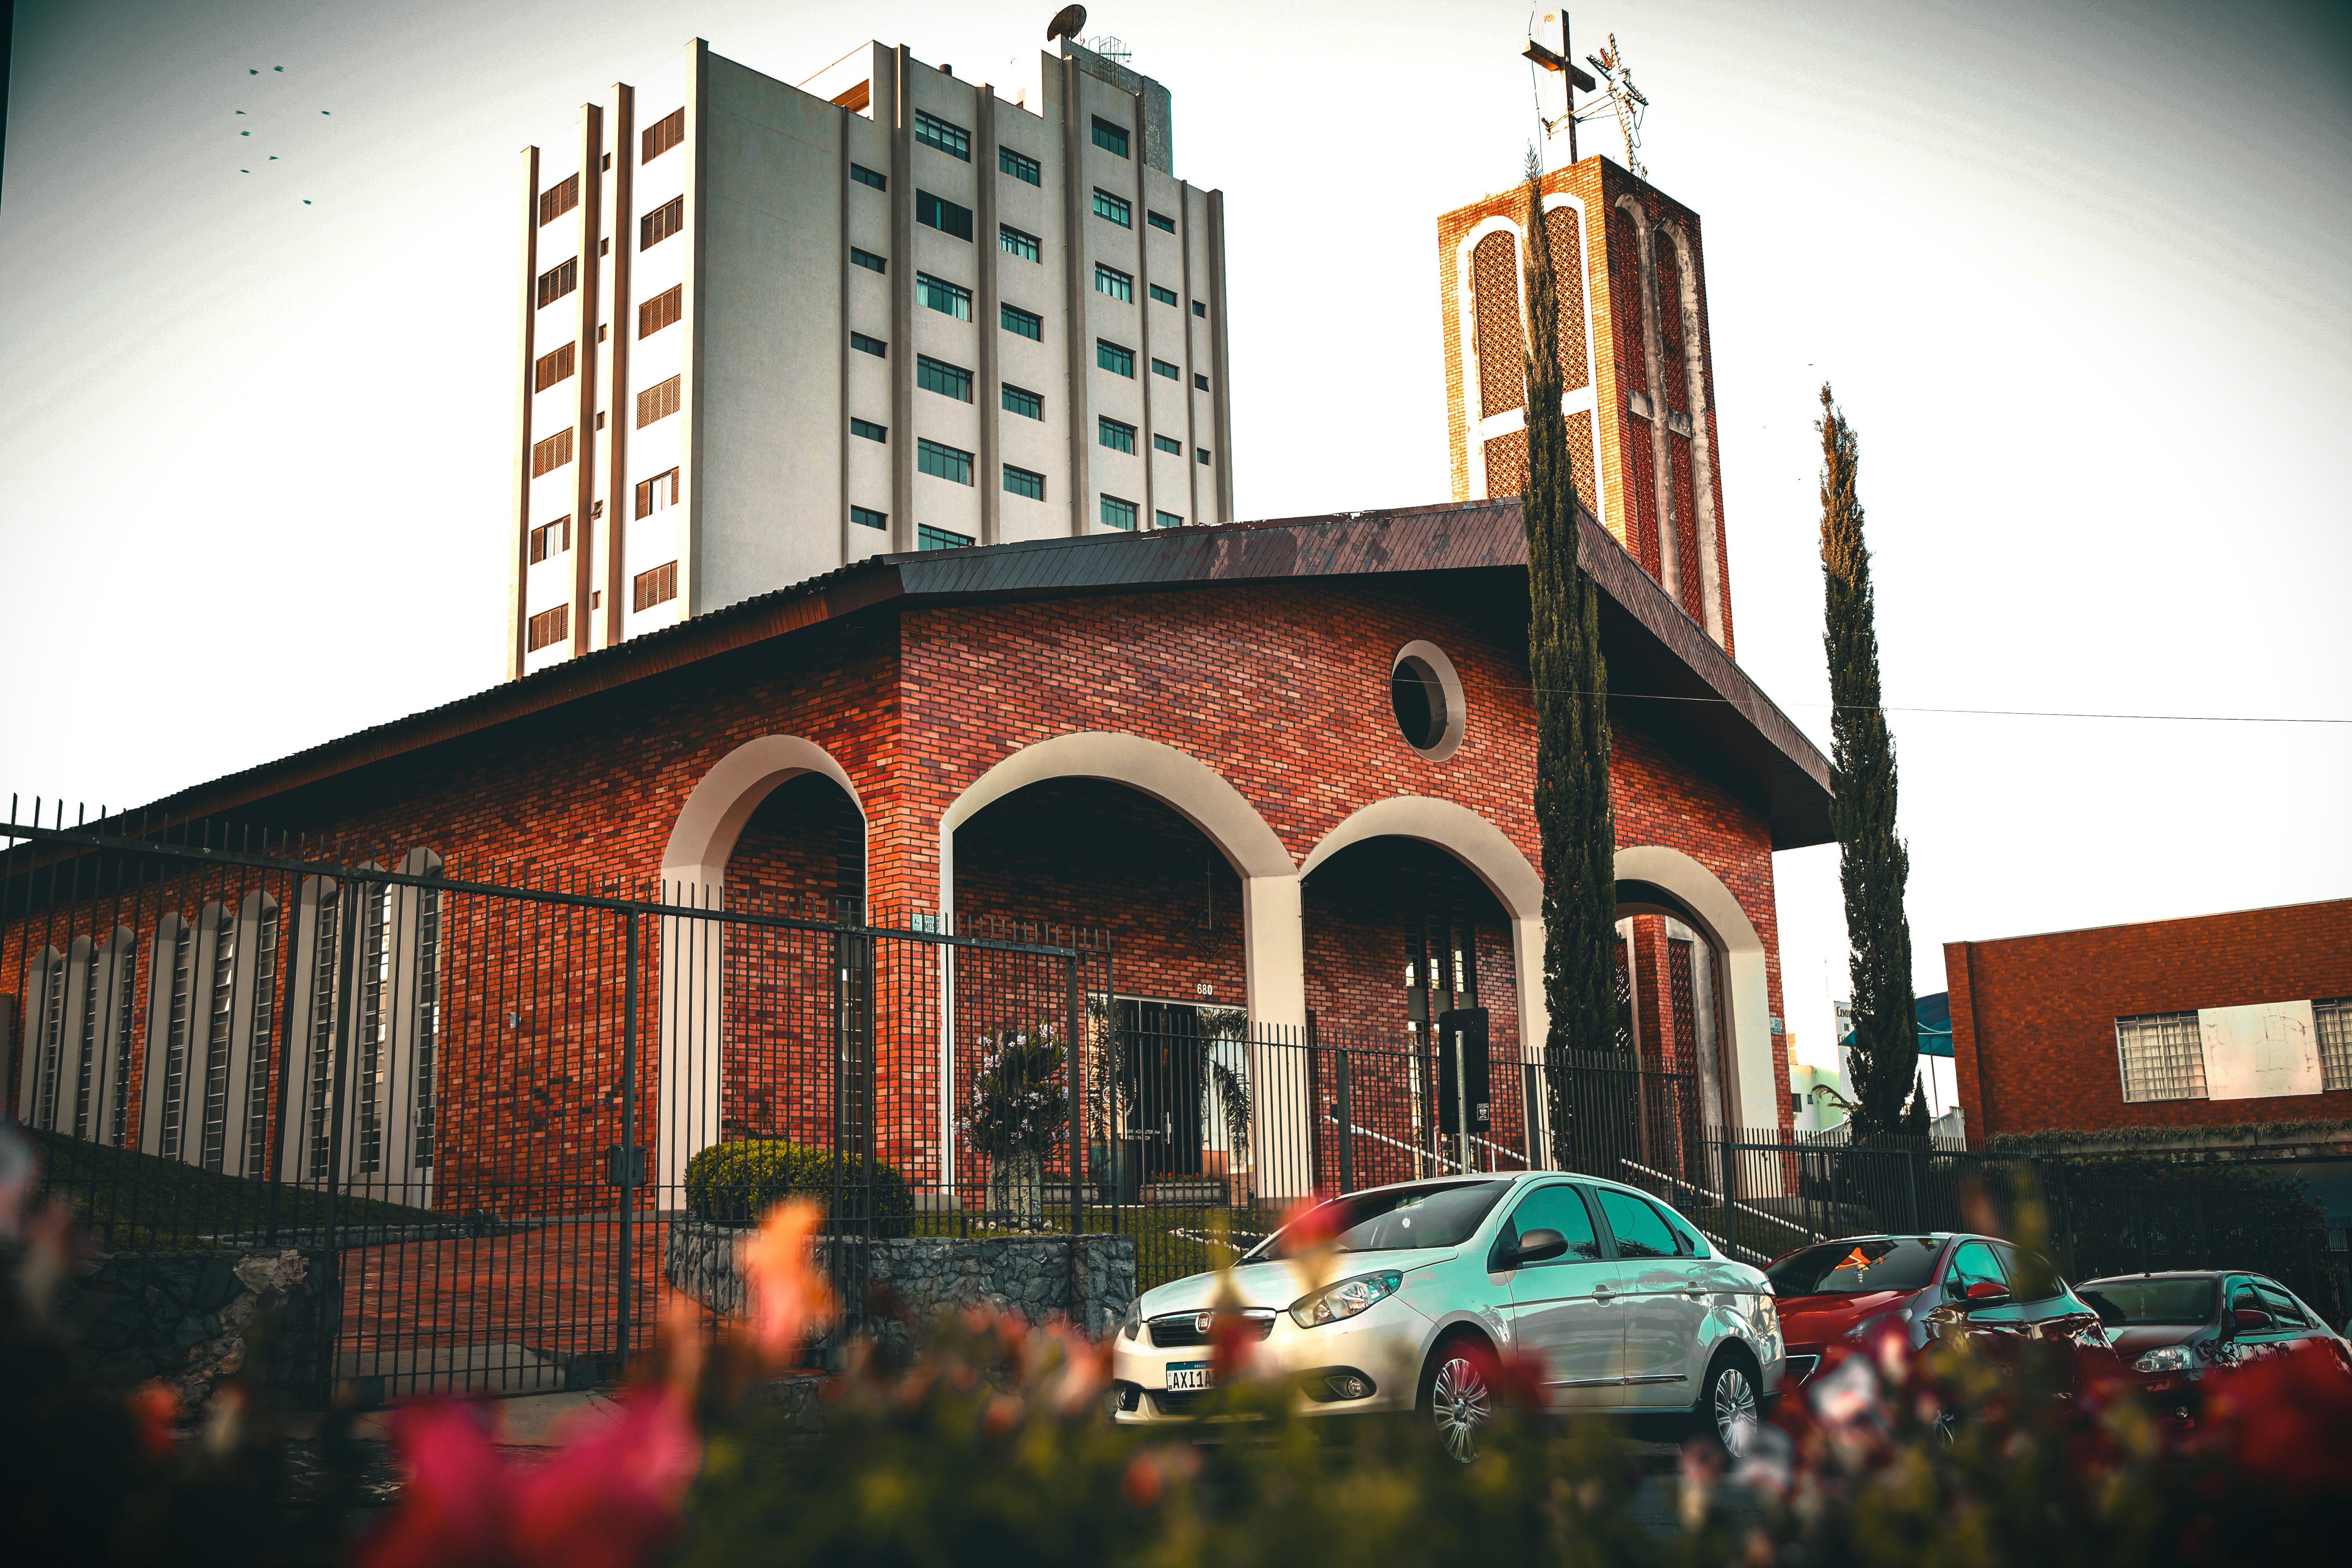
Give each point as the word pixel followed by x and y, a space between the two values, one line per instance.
pixel 2033 1018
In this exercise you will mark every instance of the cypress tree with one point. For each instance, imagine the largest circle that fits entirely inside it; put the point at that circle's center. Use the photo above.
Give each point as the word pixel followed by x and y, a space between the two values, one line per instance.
pixel 1873 864
pixel 1573 819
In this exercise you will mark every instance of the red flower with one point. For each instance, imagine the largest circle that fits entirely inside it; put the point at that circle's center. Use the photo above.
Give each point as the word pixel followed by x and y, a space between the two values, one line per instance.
pixel 789 1296
pixel 2282 1419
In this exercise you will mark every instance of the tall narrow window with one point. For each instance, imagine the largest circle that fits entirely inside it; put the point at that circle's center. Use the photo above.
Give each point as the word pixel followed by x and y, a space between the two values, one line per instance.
pixel 86 1057
pixel 262 1030
pixel 947 299
pixel 662 135
pixel 1111 137
pixel 553 367
pixel 657 494
pixel 220 1022
pixel 126 987
pixel 947 380
pixel 658 586
pixel 949 217
pixel 372 1050
pixel 49 1057
pixel 1020 165
pixel 558 199
pixel 662 310
pixel 557 281
pixel 175 1040
pixel 948 137
pixel 428 1029
pixel 658 402
pixel 661 222
pixel 319 1125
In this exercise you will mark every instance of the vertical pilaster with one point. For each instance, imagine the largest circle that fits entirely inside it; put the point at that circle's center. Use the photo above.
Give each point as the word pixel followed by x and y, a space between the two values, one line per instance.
pixel 585 456
pixel 1079 357
pixel 620 226
pixel 526 352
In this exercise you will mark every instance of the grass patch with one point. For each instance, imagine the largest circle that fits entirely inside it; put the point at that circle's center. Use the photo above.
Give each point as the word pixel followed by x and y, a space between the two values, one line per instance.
pixel 131 1202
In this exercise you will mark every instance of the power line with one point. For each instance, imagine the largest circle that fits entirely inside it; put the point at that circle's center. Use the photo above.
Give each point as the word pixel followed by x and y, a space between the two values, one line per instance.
pixel 1984 712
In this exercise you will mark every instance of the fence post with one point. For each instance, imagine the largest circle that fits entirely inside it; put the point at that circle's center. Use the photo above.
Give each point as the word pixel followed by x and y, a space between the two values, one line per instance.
pixel 1911 1183
pixel 289 952
pixel 1074 1003
pixel 628 1136
pixel 349 900
pixel 1347 1128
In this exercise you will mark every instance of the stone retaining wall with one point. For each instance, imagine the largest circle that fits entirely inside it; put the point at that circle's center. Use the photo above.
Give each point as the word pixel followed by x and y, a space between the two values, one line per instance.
pixel 1033 1275
pixel 185 1317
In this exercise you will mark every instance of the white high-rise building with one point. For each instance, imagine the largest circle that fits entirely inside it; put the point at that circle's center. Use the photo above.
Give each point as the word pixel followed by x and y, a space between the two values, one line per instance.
pixel 768 329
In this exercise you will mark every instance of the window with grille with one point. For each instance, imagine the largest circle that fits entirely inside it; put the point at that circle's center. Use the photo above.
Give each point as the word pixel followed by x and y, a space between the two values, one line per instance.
pixel 86 1057
pixel 949 217
pixel 325 987
pixel 662 135
pixel 859 256
pixel 551 368
pixel 558 199
pixel 2334 1020
pixel 945 135
pixel 551 539
pixel 550 626
pixel 175 1038
pixel 1118 514
pixel 1118 436
pixel 946 462
pixel 930 538
pixel 870 345
pixel 947 299
pixel 428 1030
pixel 1167 519
pixel 2161 1056
pixel 1020 400
pixel 1113 208
pixel 1022 482
pixel 662 310
pixel 49 1060
pixel 1028 323
pixel 558 280
pixel 657 494
pixel 1163 222
pixel 1020 165
pixel 865 176
pixel 1168 444
pixel 658 586
pixel 126 987
pixel 947 380
pixel 1016 242
pixel 1111 137
pixel 220 1020
pixel 1118 285
pixel 866 517
pixel 1109 356
pixel 1167 368
pixel 867 429
pixel 658 402
pixel 371 1047
pixel 661 222
pixel 261 1029
pixel 1163 296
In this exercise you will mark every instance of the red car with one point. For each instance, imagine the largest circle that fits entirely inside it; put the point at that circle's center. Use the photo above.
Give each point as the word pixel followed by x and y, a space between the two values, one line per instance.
pixel 2176 1327
pixel 1979 1286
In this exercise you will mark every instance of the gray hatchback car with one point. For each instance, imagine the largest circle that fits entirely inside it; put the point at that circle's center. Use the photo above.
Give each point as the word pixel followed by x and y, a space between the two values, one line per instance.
pixel 1614 1302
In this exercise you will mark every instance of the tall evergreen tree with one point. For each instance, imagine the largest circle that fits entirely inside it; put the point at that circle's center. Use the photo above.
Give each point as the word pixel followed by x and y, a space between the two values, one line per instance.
pixel 1573 818
pixel 1873 864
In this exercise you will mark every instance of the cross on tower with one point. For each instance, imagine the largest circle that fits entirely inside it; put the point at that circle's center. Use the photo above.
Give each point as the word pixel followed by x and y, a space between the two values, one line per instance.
pixel 1573 75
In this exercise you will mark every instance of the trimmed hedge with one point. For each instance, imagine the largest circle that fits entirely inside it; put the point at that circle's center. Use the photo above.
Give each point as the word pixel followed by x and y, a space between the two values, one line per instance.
pixel 731 1183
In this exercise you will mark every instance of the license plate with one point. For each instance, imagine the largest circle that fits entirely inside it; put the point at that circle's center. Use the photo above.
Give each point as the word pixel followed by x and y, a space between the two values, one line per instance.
pixel 1183 1375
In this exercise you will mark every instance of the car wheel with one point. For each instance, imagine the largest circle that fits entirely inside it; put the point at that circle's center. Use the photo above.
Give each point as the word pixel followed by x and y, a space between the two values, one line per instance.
pixel 1458 1392
pixel 1728 1404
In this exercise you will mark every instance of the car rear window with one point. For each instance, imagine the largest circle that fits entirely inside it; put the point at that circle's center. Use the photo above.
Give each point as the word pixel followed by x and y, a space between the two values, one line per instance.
pixel 2179 1302
pixel 1857 1267
pixel 1640 1230
pixel 1429 1214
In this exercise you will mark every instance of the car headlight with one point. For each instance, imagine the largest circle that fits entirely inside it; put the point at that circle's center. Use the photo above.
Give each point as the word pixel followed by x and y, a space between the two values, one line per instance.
pixel 2167 1358
pixel 1133 1325
pixel 1345 1300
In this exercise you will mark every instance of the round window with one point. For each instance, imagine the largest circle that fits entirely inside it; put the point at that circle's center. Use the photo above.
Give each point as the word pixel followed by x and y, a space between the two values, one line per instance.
pixel 1426 696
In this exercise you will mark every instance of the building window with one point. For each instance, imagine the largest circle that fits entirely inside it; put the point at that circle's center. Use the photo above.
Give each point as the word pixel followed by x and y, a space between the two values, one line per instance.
pixel 1112 433
pixel 867 345
pixel 946 462
pixel 1111 280
pixel 947 380
pixel 558 199
pixel 551 539
pixel 1201 455
pixel 947 218
pixel 867 260
pixel 949 137
pixel 868 428
pixel 1162 367
pixel 1200 381
pixel 658 402
pixel 866 517
pixel 2161 1056
pixel 551 453
pixel 1168 444
pixel 1015 242
pixel 657 494
pixel 661 222
pixel 1118 514
pixel 662 310
pixel 1163 222
pixel 1167 519
pixel 1199 309
pixel 1021 482
pixel 260 1028
pixel 552 368
pixel 930 538
pixel 1109 356
pixel 1028 323
pixel 658 586
pixel 1113 207
pixel 1111 137
pixel 1020 165
pixel 2334 1020
pixel 1163 296
pixel 865 176
pixel 662 135
pixel 1019 400
pixel 557 281
pixel 550 626
pixel 947 299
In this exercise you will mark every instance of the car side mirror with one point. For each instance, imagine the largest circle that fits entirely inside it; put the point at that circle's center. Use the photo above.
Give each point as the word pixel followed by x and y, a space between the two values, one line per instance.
pixel 1985 1293
pixel 1541 1247
pixel 2251 1318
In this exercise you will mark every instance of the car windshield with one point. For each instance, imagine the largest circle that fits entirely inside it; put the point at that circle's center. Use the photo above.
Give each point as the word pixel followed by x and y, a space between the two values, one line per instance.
pixel 1431 1214
pixel 1857 1267
pixel 2180 1302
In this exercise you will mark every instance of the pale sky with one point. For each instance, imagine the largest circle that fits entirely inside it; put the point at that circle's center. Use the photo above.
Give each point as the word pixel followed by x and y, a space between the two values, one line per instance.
pixel 2079 272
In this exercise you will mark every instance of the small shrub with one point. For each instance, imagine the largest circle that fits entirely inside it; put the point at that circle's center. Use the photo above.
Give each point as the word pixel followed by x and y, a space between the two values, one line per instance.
pixel 731 1183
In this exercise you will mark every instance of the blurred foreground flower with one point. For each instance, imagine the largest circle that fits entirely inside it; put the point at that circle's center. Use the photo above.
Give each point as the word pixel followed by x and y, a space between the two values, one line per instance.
pixel 791 1297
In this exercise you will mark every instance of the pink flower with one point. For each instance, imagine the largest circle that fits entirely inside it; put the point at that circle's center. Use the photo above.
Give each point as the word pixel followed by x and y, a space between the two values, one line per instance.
pixel 790 1297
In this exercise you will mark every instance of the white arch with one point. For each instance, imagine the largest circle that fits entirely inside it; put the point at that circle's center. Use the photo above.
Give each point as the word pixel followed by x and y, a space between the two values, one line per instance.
pixel 713 816
pixel 1744 977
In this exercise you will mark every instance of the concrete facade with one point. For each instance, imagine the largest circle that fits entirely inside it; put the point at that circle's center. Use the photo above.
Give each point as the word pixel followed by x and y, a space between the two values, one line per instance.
pixel 746 307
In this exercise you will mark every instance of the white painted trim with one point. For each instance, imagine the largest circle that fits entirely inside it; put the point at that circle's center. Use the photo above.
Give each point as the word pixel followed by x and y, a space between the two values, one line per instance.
pixel 1449 682
pixel 1746 983
pixel 1467 334
pixel 712 818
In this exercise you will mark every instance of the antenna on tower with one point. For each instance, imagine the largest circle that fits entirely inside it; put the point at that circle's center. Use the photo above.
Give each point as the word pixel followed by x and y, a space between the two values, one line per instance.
pixel 1623 99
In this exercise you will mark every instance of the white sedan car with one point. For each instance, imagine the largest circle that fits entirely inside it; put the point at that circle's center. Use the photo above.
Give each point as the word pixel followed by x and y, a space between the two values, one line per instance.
pixel 1613 1301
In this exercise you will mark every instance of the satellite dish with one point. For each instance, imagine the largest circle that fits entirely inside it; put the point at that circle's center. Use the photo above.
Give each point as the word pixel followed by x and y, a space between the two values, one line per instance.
pixel 1067 23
